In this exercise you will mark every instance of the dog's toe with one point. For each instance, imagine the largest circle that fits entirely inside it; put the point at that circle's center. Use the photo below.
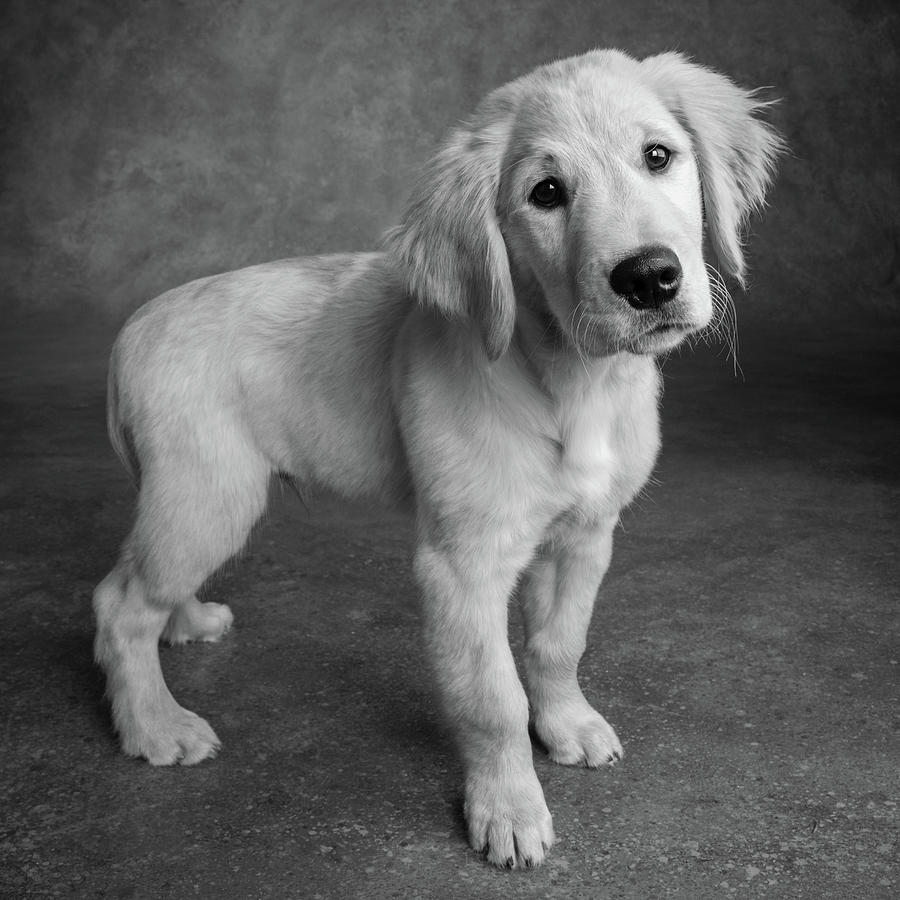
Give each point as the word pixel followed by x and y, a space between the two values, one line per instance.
pixel 579 737
pixel 171 737
pixel 509 822
pixel 196 621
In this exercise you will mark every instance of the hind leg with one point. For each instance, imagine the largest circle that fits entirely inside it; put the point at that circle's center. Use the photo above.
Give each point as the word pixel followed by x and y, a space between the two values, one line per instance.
pixel 149 721
pixel 190 520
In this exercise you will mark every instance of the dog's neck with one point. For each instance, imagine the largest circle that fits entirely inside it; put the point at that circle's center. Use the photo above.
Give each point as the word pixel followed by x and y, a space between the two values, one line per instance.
pixel 541 347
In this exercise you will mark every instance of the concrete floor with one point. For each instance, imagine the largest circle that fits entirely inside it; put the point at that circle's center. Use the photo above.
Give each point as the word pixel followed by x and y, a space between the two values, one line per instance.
pixel 746 648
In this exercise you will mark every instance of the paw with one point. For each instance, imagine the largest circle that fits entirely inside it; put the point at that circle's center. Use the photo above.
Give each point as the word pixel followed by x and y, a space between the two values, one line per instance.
pixel 174 735
pixel 196 621
pixel 508 819
pixel 577 735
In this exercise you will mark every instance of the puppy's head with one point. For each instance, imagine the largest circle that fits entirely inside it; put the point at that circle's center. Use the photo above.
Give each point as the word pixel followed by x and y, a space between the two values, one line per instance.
pixel 583 190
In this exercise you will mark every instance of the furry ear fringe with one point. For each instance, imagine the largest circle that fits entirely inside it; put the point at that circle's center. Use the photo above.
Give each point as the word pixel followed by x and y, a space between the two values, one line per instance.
pixel 449 246
pixel 736 150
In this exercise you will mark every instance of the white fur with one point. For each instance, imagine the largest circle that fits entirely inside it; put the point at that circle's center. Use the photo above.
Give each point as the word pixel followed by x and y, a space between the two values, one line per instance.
pixel 483 367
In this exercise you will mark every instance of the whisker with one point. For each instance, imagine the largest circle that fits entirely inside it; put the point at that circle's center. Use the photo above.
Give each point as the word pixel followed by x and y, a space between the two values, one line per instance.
pixel 582 309
pixel 724 326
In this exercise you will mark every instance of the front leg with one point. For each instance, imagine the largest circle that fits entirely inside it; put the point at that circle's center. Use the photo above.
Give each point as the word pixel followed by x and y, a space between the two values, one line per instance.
pixel 465 612
pixel 557 595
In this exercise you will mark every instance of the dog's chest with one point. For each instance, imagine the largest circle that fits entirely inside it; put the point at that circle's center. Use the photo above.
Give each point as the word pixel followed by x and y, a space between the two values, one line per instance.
pixel 607 442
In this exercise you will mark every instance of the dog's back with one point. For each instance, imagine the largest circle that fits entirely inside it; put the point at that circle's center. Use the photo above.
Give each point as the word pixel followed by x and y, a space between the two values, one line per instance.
pixel 239 344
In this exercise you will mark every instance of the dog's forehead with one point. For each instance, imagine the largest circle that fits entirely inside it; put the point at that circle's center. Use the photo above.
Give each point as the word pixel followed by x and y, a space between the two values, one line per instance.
pixel 584 119
pixel 590 104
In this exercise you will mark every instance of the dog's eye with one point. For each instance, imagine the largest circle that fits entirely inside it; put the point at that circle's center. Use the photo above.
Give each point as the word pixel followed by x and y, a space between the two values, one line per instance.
pixel 657 157
pixel 548 194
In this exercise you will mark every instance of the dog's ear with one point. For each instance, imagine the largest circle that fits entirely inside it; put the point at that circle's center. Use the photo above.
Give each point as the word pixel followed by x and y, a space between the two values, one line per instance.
pixel 735 149
pixel 449 246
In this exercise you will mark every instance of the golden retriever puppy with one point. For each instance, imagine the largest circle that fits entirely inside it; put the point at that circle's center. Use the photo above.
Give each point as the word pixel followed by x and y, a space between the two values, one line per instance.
pixel 495 364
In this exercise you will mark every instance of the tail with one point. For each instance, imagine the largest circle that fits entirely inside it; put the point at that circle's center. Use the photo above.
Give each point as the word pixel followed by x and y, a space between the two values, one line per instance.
pixel 119 433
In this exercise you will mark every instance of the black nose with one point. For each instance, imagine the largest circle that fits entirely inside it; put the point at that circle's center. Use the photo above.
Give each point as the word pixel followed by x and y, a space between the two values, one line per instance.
pixel 648 279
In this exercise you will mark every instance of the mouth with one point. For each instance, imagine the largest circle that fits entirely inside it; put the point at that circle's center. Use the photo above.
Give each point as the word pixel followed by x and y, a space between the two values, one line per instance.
pixel 651 336
pixel 668 328
pixel 661 336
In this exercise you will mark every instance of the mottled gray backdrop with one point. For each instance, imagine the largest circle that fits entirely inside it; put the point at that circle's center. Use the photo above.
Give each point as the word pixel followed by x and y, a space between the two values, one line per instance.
pixel 146 143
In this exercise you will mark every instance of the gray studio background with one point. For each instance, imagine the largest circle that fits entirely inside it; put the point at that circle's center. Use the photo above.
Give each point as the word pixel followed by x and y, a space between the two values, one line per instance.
pixel 147 143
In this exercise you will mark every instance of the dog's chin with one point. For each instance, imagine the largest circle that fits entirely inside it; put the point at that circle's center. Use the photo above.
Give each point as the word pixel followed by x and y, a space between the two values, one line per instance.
pixel 646 340
pixel 659 338
pixel 647 333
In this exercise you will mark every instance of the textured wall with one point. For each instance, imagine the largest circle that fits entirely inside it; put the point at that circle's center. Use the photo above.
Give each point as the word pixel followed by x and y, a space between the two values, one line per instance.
pixel 145 143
